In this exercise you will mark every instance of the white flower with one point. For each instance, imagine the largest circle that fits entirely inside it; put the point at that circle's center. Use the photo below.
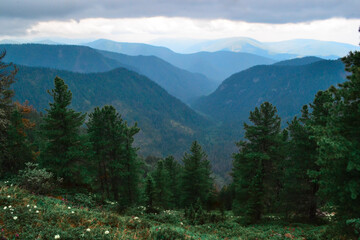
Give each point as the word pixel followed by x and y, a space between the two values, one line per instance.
pixel 28 205
pixel 72 212
pixel 136 218
pixel 88 230
pixel 35 206
pixel 181 223
pixel 5 207
pixel 69 207
pixel 8 196
pixel 12 185
pixel 37 211
pixel 10 206
pixel 57 236
pixel 15 217
pixel 107 232
pixel 29 210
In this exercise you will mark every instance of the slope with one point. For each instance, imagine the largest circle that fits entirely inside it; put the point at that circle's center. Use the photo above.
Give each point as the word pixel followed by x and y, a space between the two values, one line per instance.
pixel 180 83
pixel 216 66
pixel 64 57
pixel 287 87
pixel 167 125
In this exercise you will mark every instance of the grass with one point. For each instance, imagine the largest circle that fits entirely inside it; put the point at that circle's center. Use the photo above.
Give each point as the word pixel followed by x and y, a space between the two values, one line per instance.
pixel 24 215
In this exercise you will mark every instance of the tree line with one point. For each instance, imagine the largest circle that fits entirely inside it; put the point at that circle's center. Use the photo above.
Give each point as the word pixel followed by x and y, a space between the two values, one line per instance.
pixel 292 172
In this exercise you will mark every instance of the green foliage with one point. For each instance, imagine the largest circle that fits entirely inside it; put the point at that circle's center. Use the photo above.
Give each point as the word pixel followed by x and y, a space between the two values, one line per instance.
pixel 196 180
pixel 63 151
pixel 339 144
pixel 255 172
pixel 114 155
pixel 37 180
pixel 7 78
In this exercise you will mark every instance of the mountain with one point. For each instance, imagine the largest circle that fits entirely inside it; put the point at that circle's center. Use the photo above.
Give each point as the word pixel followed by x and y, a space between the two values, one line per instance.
pixel 64 57
pixel 168 126
pixel 288 87
pixel 216 65
pixel 180 83
pixel 276 50
pixel 299 61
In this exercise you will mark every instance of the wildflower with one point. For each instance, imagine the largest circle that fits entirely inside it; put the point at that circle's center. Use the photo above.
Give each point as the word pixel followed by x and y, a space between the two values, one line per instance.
pixel 181 223
pixel 29 210
pixel 72 212
pixel 5 207
pixel 69 207
pixel 107 232
pixel 57 236
pixel 8 196
pixel 28 205
pixel 15 217
pixel 10 206
pixel 37 211
pixel 35 206
pixel 136 218
pixel 88 230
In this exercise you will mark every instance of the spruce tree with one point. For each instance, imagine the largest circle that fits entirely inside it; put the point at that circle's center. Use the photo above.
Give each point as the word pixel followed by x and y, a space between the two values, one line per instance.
pixel 255 171
pixel 196 180
pixel 7 77
pixel 114 156
pixel 63 152
pixel 339 144
pixel 299 188
pixel 161 178
pixel 173 171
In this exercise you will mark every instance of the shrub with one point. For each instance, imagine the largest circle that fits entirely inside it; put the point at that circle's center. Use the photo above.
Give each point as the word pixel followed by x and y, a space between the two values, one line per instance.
pixel 166 233
pixel 37 180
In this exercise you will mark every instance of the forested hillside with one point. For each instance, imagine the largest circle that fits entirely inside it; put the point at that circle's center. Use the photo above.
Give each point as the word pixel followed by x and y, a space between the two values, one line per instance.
pixel 167 124
pixel 180 83
pixel 288 86
pixel 214 65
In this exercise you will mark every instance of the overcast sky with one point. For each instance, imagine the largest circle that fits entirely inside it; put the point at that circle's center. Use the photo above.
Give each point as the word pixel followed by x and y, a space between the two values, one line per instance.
pixel 146 20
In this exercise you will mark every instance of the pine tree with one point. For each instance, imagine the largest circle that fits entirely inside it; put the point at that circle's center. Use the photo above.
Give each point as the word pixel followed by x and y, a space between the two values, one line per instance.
pixel 17 143
pixel 63 152
pixel 114 156
pixel 7 77
pixel 255 171
pixel 149 194
pixel 299 189
pixel 174 171
pixel 196 180
pixel 339 144
pixel 161 178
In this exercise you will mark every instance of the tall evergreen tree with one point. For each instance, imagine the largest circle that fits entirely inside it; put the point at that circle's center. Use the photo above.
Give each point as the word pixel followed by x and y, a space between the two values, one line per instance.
pixel 174 171
pixel 299 188
pixel 339 144
pixel 63 152
pixel 196 180
pixel 161 178
pixel 7 77
pixel 255 171
pixel 114 156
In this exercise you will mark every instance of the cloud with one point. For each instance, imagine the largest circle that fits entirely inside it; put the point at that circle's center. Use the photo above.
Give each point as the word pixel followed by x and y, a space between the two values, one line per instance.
pixel 147 29
pixel 261 11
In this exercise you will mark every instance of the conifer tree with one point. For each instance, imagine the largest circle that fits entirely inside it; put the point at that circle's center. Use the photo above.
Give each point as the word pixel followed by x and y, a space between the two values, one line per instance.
pixel 173 170
pixel 255 171
pixel 196 180
pixel 7 77
pixel 63 152
pixel 339 144
pixel 161 179
pixel 299 189
pixel 114 156
pixel 149 193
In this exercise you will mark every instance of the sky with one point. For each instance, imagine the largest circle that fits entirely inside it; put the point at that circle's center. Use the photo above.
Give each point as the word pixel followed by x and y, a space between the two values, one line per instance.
pixel 148 20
